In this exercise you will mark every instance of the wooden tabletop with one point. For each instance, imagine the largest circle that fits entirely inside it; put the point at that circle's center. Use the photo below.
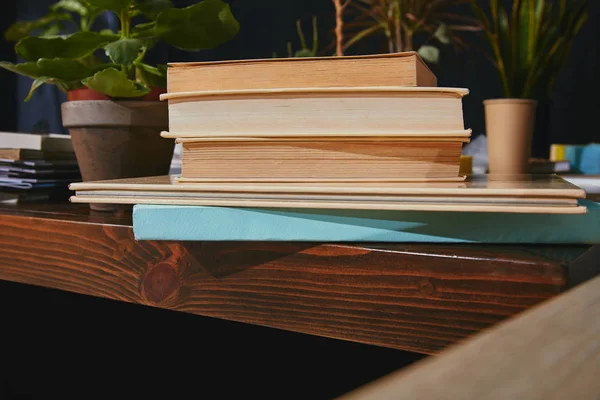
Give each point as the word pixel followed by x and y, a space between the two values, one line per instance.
pixel 420 298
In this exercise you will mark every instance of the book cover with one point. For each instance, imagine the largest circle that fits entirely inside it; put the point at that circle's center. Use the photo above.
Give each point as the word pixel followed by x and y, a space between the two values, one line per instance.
pixel 401 69
pixel 196 223
pixel 35 141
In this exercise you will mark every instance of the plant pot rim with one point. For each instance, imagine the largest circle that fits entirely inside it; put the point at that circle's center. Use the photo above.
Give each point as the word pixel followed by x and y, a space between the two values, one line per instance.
pixel 115 113
pixel 87 94
pixel 71 103
pixel 509 101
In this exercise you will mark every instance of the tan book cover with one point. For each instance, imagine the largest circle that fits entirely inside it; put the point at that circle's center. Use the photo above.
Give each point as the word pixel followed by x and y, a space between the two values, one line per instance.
pixel 516 194
pixel 398 69
pixel 528 208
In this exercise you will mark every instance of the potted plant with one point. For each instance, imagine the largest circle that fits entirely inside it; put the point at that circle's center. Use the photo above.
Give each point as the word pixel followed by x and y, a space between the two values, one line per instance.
pixel 399 22
pixel 529 48
pixel 113 113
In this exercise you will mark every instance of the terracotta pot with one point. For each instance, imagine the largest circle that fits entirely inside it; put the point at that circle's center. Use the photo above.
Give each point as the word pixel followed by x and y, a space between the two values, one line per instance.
pixel 509 129
pixel 118 139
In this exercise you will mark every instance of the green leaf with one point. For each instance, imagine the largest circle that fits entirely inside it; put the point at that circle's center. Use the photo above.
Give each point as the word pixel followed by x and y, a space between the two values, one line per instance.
pixel 494 10
pixel 145 30
pixel 67 70
pixel 19 30
pixel 539 14
pixel 114 83
pixel 442 34
pixel 304 53
pixel 108 32
pixel 117 6
pixel 77 45
pixel 152 76
pixel 361 35
pixel 52 31
pixel 506 44
pixel 74 6
pixel 61 69
pixel 62 85
pixel 125 51
pixel 430 54
pixel 36 84
pixel 151 8
pixel 202 26
pixel 29 69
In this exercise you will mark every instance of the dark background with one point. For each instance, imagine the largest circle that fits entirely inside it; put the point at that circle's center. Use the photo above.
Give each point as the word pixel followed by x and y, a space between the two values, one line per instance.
pixel 58 345
pixel 267 26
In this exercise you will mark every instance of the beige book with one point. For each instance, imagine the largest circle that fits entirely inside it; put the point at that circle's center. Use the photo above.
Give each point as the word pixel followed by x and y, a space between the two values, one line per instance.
pixel 540 196
pixel 35 141
pixel 340 160
pixel 493 187
pixel 384 111
pixel 27 155
pixel 530 208
pixel 523 194
pixel 399 69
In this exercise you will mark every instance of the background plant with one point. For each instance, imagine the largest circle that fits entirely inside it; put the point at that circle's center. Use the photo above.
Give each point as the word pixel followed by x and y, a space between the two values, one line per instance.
pixel 398 22
pixel 304 50
pixel 113 62
pixel 530 47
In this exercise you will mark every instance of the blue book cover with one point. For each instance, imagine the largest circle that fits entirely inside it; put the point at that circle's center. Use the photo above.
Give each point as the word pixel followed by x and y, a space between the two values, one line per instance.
pixel 191 223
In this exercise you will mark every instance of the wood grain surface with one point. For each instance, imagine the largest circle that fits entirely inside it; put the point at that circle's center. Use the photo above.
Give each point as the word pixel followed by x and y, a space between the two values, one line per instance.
pixel 549 352
pixel 413 297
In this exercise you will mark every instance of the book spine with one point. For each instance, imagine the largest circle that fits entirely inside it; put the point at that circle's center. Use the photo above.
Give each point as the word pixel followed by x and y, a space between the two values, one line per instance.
pixel 190 223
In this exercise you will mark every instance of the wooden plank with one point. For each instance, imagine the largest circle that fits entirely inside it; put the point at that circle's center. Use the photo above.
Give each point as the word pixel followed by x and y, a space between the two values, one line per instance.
pixel 549 352
pixel 412 297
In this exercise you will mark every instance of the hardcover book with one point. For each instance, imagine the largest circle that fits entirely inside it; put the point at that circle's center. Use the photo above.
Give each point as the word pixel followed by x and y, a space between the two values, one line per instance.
pixel 398 69
pixel 164 222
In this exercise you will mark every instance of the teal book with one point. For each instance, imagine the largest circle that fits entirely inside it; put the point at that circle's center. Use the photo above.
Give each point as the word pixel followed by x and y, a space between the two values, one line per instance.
pixel 191 223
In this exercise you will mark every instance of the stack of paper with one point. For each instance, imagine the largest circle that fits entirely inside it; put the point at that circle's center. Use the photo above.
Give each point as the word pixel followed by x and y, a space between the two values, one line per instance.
pixel 524 194
pixel 36 167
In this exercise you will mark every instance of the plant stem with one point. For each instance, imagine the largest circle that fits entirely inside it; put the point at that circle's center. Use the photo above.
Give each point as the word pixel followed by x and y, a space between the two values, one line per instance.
pixel 408 37
pixel 339 28
pixel 398 26
pixel 125 24
pixel 493 38
pixel 391 48
pixel 315 36
pixel 125 18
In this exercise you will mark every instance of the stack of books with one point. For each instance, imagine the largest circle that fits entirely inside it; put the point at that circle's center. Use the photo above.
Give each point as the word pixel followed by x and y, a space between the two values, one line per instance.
pixel 524 209
pixel 36 167
pixel 332 149
pixel 351 119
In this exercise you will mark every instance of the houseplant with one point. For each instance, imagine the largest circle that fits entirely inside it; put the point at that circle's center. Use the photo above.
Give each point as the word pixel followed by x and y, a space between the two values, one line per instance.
pixel 114 116
pixel 399 22
pixel 304 51
pixel 529 47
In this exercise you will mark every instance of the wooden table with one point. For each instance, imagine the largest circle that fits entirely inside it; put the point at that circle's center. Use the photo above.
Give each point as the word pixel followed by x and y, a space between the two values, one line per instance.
pixel 551 351
pixel 419 298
